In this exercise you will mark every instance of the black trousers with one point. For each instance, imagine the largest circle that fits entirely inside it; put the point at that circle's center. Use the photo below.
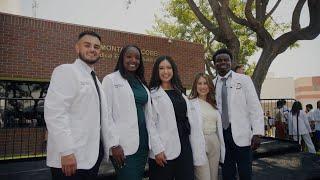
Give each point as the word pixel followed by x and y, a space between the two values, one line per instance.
pixel 81 174
pixel 315 141
pixel 180 168
pixel 236 158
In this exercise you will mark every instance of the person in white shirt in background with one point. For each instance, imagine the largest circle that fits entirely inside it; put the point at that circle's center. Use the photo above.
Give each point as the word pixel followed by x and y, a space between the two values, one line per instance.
pixel 269 125
pixel 316 118
pixel 239 69
pixel 285 110
pixel 203 103
pixel 299 126
pixel 309 111
pixel 74 113
pixel 285 113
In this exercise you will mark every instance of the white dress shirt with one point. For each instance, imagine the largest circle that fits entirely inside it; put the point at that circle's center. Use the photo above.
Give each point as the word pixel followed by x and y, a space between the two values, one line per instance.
pixel 316 118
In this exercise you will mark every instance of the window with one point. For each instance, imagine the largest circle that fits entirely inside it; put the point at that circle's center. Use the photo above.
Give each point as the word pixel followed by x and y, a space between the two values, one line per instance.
pixel 21 103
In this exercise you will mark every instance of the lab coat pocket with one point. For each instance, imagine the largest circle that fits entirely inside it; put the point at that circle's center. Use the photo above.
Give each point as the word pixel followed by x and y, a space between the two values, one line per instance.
pixel 80 137
pixel 86 89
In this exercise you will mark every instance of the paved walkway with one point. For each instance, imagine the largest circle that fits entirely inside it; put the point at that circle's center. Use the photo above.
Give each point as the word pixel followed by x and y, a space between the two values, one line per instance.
pixel 292 166
pixel 275 159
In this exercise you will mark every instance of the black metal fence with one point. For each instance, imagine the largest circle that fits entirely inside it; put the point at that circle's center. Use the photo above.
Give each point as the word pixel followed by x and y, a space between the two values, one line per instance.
pixel 23 131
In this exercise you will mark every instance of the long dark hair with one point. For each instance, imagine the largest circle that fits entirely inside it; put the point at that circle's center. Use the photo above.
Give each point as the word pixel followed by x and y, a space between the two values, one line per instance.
pixel 140 70
pixel 155 80
pixel 296 107
pixel 211 96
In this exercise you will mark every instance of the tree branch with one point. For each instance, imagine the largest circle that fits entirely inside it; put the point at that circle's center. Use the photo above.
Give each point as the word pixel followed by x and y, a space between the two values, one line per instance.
pixel 295 26
pixel 261 6
pixel 209 67
pixel 217 10
pixel 272 10
pixel 202 18
pixel 237 19
pixel 249 15
pixel 209 41
pixel 308 33
pixel 263 36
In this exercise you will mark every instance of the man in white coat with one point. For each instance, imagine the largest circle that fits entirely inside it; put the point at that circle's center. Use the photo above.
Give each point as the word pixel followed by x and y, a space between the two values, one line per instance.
pixel 241 114
pixel 74 111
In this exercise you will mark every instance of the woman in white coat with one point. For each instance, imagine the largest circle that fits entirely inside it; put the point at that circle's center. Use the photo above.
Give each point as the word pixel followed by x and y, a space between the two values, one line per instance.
pixel 129 106
pixel 204 104
pixel 176 143
pixel 302 124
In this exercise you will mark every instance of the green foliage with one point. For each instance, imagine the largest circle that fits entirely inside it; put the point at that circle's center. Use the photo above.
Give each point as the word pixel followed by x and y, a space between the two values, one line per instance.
pixel 179 22
pixel 249 68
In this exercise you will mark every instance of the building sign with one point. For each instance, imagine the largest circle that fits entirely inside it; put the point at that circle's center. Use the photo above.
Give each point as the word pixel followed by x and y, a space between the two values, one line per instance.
pixel 111 52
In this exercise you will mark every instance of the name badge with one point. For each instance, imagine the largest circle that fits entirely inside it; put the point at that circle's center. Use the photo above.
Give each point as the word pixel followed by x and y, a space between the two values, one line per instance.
pixel 84 83
pixel 238 86
pixel 118 85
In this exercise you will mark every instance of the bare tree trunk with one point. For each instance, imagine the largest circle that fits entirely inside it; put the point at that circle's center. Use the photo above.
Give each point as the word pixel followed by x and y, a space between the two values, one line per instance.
pixel 234 47
pixel 263 65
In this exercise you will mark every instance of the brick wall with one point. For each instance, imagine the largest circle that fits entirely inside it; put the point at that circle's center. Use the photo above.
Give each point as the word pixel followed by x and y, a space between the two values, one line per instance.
pixel 31 48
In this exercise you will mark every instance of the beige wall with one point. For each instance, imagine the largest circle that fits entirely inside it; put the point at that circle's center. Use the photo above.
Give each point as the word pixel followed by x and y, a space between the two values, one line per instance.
pixel 274 88
pixel 304 89
pixel 10 6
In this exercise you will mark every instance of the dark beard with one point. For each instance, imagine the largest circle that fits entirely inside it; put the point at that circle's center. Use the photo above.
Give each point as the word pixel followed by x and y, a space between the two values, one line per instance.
pixel 88 61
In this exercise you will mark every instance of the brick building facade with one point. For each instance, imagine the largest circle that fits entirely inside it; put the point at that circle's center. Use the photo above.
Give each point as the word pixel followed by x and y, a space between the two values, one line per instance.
pixel 307 90
pixel 31 48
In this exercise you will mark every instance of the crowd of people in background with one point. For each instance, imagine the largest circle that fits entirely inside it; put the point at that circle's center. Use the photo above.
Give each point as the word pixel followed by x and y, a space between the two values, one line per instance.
pixel 294 123
pixel 132 122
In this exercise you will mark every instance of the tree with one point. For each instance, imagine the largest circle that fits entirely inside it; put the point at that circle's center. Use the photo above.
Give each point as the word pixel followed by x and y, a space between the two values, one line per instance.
pixel 180 22
pixel 255 17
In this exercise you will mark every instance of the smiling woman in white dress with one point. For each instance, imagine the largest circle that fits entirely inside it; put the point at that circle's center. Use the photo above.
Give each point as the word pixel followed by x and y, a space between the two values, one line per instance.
pixel 203 103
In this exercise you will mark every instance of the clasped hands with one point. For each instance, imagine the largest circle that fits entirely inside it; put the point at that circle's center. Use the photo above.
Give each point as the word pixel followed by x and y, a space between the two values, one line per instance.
pixel 161 159
pixel 118 155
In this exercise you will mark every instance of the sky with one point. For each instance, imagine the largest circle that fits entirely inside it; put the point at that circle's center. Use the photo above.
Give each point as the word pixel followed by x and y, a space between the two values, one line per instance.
pixel 139 17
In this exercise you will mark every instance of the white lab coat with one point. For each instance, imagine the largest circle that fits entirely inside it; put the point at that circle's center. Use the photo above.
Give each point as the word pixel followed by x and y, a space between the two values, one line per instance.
pixel 72 116
pixel 166 137
pixel 122 110
pixel 195 107
pixel 245 111
pixel 303 123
